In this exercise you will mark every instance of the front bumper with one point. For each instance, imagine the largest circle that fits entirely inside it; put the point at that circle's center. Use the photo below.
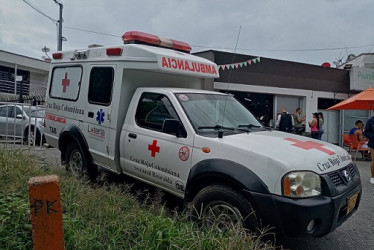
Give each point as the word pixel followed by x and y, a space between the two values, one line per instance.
pixel 292 216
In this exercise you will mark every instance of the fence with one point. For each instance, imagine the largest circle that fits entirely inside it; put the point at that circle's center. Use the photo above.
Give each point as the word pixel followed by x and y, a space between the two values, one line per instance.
pixel 21 123
pixel 34 94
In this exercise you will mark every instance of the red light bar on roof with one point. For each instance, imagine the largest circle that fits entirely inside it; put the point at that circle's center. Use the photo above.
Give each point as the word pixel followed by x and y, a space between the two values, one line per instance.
pixel 142 37
pixel 137 36
pixel 178 45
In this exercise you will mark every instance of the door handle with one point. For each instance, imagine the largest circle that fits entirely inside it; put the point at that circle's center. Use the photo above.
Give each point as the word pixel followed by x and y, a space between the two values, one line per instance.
pixel 133 136
pixel 90 114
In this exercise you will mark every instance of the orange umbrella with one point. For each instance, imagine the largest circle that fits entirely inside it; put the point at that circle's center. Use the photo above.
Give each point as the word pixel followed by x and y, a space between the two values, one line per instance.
pixel 363 101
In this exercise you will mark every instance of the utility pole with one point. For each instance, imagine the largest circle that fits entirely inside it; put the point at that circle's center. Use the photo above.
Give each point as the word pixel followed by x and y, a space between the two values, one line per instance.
pixel 60 38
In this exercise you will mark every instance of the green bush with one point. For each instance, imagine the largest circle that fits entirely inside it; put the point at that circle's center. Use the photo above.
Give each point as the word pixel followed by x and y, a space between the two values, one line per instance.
pixel 15 224
pixel 108 216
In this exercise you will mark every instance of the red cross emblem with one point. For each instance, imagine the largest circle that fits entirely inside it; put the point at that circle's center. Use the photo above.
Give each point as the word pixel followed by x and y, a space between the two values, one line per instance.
pixel 310 145
pixel 154 148
pixel 65 82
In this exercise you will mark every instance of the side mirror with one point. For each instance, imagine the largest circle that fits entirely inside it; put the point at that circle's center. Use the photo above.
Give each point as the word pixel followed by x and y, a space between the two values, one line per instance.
pixel 19 116
pixel 173 126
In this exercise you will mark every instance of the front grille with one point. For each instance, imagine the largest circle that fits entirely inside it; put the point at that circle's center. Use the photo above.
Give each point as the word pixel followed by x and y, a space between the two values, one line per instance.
pixel 336 179
pixel 352 170
pixel 337 176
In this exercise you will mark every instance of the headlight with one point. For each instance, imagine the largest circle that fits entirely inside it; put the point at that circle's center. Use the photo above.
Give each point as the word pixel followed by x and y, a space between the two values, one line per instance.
pixel 301 184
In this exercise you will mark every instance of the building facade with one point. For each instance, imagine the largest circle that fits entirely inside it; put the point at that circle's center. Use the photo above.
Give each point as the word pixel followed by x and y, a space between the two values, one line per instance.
pixel 22 78
pixel 265 85
pixel 361 75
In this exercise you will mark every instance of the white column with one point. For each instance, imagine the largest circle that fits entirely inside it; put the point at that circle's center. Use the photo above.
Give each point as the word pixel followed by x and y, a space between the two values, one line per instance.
pixel 15 79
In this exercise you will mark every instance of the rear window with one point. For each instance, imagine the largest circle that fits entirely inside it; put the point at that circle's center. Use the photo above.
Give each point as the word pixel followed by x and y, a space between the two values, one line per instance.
pixel 66 82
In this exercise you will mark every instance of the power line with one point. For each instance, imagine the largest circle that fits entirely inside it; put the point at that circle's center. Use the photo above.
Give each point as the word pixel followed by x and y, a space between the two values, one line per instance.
pixel 227 48
pixel 202 46
pixel 38 10
pixel 90 31
pixel 319 49
pixel 287 50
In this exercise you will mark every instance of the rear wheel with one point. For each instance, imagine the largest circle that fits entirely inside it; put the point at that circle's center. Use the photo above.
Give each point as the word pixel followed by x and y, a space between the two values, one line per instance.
pixel 77 164
pixel 224 208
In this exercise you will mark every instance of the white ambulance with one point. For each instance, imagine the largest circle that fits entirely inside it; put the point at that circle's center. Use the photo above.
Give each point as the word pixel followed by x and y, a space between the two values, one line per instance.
pixel 139 109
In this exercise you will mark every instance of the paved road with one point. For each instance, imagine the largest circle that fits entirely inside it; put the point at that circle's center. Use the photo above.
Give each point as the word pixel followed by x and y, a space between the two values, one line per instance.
pixel 357 233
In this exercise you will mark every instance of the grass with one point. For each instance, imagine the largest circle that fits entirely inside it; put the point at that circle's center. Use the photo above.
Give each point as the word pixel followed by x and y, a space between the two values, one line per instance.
pixel 108 216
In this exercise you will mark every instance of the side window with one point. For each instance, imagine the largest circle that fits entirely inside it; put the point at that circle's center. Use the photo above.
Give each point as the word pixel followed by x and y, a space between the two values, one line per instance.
pixel 66 82
pixel 153 109
pixel 18 111
pixel 5 110
pixel 11 111
pixel 101 84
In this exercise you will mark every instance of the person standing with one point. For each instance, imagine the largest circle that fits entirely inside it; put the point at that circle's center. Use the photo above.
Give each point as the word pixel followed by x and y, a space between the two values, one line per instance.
pixel 299 118
pixel 321 120
pixel 369 134
pixel 314 125
pixel 285 121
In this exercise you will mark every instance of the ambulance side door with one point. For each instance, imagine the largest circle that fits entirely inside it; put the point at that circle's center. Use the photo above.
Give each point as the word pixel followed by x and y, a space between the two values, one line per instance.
pixel 153 155
pixel 97 123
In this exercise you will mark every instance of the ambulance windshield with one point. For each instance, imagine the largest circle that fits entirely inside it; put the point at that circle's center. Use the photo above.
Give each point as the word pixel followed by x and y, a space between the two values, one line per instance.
pixel 209 112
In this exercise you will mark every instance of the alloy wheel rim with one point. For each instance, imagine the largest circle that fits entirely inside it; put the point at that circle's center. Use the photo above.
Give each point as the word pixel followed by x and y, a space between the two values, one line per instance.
pixel 222 216
pixel 76 163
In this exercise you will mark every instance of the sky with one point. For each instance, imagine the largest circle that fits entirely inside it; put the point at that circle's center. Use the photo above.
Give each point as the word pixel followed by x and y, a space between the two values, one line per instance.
pixel 306 31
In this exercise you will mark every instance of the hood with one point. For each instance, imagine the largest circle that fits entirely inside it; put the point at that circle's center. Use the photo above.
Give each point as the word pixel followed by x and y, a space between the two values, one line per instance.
pixel 272 154
pixel 293 151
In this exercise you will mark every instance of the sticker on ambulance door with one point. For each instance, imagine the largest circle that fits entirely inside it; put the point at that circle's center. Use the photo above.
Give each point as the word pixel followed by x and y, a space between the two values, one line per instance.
pixel 184 153
pixel 100 116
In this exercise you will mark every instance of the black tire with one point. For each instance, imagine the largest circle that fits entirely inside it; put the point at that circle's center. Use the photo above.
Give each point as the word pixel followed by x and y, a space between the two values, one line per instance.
pixel 32 137
pixel 223 208
pixel 77 164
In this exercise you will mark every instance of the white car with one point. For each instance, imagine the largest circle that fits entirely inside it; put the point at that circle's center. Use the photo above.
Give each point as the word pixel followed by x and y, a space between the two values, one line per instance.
pixel 19 121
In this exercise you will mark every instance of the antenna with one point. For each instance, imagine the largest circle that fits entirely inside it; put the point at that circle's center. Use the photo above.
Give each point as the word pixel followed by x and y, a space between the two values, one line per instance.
pixel 233 57
pixel 338 61
pixel 46 50
pixel 220 132
pixel 350 57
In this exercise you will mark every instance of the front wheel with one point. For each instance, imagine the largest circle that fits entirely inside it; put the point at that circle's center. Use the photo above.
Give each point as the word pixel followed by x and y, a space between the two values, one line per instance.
pixel 223 207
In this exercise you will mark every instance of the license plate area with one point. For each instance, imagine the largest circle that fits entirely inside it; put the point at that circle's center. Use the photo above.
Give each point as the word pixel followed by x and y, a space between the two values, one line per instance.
pixel 351 203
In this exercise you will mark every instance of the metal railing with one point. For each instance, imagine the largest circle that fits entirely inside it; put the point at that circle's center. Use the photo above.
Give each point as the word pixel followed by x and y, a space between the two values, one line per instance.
pixel 25 127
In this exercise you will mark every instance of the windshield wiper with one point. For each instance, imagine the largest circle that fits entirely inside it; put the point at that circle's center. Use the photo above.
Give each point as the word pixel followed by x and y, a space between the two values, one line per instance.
pixel 250 125
pixel 216 127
